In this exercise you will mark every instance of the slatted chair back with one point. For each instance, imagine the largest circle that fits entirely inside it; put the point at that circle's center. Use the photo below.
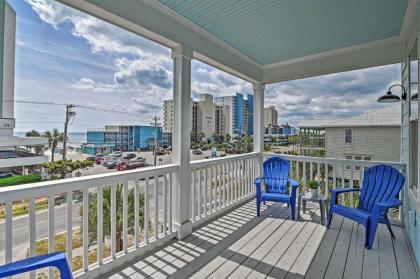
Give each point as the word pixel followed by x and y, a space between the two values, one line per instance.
pixel 276 175
pixel 381 183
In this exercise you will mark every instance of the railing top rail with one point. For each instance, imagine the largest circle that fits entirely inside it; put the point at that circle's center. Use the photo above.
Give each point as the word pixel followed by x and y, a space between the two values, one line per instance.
pixel 39 189
pixel 214 161
pixel 324 160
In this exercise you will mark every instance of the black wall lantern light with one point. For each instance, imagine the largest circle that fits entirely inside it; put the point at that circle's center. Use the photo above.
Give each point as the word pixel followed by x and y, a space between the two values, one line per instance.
pixel 391 98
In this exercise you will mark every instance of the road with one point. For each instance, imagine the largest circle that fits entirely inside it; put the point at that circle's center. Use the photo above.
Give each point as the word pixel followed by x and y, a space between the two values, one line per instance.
pixel 20 229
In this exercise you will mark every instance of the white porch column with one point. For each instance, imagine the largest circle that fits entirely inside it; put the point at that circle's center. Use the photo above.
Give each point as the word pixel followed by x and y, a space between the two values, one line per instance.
pixel 181 140
pixel 259 119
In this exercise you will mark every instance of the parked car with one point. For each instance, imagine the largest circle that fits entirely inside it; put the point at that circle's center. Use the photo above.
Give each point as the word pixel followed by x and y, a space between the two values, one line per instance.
pixel 197 152
pixel 107 158
pixel 116 154
pixel 98 159
pixel 160 151
pixel 4 174
pixel 129 156
pixel 91 158
pixel 111 164
pixel 134 163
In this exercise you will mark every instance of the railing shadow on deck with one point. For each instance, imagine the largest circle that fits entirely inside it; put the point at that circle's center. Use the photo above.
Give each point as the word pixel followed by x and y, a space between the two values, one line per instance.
pixel 181 259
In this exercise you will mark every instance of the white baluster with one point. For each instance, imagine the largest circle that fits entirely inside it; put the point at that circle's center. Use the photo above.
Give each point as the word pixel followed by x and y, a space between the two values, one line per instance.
pixel 125 217
pixel 32 233
pixel 193 182
pixel 304 176
pixel 136 212
pixel 156 200
pixel 85 230
pixel 51 232
pixel 8 233
pixel 146 210
pixel 100 225
pixel 326 190
pixel 113 221
pixel 206 183
pixel 165 204
pixel 200 187
pixel 170 202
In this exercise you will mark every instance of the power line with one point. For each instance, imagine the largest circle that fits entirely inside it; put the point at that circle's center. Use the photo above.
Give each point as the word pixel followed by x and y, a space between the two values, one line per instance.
pixel 41 122
pixel 75 105
pixel 36 102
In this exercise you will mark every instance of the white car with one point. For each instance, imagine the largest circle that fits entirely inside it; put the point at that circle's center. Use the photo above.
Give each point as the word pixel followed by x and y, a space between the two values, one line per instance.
pixel 116 154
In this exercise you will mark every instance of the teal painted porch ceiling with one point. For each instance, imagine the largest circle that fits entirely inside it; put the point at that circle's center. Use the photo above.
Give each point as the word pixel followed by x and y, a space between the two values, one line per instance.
pixel 270 31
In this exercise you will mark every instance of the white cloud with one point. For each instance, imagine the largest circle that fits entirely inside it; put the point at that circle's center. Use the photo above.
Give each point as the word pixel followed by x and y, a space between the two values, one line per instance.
pixel 89 85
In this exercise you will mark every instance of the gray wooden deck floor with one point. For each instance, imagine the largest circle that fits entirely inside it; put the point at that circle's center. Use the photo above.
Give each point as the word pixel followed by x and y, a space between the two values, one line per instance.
pixel 240 245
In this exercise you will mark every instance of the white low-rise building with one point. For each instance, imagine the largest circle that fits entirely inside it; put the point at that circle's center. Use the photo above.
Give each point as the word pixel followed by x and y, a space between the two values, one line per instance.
pixel 15 152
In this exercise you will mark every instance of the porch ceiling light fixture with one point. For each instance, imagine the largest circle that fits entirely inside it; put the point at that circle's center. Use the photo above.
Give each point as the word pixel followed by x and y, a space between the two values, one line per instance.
pixel 391 98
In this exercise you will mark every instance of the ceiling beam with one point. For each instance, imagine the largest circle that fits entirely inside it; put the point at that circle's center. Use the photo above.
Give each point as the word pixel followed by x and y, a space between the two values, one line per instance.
pixel 376 53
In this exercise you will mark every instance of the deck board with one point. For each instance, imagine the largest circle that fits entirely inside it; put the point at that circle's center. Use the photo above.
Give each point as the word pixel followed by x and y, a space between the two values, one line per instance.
pixel 354 263
pixel 241 245
pixel 338 259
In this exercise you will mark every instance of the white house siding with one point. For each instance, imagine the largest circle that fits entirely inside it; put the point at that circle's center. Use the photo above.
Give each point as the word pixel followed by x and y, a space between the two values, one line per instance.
pixel 380 143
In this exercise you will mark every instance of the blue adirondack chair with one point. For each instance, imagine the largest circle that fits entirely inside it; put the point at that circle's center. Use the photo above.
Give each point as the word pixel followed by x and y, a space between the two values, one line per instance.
pixel 57 260
pixel 276 178
pixel 381 185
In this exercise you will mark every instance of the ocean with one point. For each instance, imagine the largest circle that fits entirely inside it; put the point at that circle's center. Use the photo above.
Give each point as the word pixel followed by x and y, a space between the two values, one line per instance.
pixel 75 138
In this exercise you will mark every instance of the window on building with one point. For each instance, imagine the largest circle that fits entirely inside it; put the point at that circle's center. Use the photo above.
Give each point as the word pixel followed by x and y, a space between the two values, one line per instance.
pixel 348 136
pixel 348 157
pixel 357 158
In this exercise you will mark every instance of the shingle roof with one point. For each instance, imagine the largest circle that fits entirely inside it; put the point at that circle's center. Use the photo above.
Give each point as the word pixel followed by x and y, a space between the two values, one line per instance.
pixel 314 123
pixel 388 116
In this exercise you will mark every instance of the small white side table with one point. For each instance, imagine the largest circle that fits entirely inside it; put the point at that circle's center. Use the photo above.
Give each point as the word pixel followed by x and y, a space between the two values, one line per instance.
pixel 321 199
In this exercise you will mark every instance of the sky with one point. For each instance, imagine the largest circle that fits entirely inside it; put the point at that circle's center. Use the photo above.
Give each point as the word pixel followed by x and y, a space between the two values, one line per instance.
pixel 64 56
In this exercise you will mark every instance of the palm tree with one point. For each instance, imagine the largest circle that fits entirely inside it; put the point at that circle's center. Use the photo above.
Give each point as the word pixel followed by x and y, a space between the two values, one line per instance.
pixel 54 137
pixel 227 138
pixel 93 214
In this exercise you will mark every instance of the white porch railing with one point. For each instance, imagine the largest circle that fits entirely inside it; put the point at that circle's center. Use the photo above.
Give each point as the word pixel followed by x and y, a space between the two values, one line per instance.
pixel 216 184
pixel 110 219
pixel 332 173
pixel 137 206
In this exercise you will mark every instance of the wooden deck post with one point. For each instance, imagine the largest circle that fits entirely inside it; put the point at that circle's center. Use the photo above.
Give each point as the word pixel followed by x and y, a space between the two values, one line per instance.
pixel 181 140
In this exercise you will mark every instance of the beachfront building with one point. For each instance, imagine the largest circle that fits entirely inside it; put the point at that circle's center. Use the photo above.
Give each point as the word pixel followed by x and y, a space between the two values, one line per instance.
pixel 240 118
pixel 121 138
pixel 222 119
pixel 205 118
pixel 270 116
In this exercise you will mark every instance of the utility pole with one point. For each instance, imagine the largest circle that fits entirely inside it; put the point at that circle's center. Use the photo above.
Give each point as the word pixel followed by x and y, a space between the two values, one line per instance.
pixel 156 125
pixel 69 115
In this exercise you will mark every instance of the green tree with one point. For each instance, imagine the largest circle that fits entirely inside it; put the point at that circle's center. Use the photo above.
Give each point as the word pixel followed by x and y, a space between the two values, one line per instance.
pixel 54 137
pixel 202 136
pixel 34 134
pixel 59 169
pixel 93 214
pixel 227 138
